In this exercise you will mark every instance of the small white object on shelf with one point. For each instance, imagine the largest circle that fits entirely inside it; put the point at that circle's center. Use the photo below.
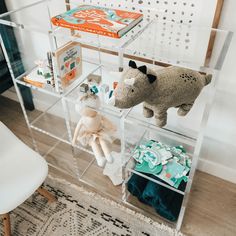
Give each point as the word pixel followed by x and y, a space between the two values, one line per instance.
pixel 114 170
pixel 39 76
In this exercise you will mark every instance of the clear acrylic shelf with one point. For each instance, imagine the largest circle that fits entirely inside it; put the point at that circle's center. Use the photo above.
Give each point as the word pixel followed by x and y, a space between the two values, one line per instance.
pixel 145 133
pixel 98 41
pixel 108 78
pixel 152 42
pixel 182 45
pixel 155 40
pixel 87 69
pixel 45 9
pixel 137 133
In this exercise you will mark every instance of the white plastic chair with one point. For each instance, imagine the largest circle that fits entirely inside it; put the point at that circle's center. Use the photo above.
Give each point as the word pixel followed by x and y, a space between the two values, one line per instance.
pixel 22 172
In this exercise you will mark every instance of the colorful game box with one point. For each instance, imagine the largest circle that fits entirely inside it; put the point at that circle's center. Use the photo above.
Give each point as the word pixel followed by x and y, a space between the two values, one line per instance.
pixel 69 62
pixel 99 20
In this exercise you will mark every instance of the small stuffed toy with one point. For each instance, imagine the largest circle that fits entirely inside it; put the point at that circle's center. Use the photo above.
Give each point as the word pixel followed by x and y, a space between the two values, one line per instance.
pixel 159 90
pixel 94 129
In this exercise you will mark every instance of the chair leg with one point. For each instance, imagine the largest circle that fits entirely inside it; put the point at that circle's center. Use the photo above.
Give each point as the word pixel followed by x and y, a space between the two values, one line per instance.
pixel 46 194
pixel 6 224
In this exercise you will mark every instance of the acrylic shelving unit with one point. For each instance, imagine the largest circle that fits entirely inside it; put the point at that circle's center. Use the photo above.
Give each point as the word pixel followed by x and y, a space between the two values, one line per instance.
pixel 154 43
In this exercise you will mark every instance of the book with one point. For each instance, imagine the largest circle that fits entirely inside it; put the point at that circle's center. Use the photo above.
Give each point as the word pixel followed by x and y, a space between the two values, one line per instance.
pixel 69 62
pixel 98 20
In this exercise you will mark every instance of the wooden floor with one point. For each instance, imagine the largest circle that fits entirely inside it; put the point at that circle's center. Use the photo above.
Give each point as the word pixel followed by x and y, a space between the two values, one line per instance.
pixel 212 205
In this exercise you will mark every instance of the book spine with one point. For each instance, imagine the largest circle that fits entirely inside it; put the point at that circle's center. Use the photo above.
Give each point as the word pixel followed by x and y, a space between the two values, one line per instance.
pixel 94 31
pixel 49 56
pixel 57 79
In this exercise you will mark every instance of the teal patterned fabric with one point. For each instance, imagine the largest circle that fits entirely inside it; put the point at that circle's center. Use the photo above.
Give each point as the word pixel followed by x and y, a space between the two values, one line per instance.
pixel 166 202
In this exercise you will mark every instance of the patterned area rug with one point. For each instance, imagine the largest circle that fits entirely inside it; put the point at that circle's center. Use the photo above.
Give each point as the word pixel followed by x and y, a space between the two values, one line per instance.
pixel 79 212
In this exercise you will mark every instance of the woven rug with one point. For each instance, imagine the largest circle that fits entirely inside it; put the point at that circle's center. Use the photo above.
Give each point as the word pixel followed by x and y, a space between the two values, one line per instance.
pixel 79 212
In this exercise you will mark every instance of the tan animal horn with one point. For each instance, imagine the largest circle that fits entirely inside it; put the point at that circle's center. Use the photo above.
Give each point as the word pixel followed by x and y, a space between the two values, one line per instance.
pixel 129 81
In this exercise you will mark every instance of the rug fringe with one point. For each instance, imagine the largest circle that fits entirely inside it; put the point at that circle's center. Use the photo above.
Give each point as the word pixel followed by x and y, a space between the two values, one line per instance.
pixel 148 220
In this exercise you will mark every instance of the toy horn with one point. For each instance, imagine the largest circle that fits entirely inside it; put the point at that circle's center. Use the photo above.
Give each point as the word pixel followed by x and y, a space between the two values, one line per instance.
pixel 130 81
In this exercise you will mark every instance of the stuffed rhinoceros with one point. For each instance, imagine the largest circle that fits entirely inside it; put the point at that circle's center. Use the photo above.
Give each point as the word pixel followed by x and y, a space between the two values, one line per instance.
pixel 159 89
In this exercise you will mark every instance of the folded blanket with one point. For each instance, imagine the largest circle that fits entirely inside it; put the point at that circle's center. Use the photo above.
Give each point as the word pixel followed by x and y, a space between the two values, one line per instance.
pixel 166 202
pixel 136 186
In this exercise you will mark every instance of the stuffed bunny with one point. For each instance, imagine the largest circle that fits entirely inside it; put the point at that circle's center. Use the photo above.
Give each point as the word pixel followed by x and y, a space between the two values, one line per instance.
pixel 159 90
pixel 95 130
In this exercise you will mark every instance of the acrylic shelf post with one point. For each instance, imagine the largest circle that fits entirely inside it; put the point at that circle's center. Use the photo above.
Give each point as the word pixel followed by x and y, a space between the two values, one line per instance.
pixel 181 51
pixel 134 137
pixel 156 42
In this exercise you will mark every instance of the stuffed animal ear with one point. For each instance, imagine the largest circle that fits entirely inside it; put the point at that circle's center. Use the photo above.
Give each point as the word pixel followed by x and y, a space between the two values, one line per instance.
pixel 151 78
pixel 143 69
pixel 132 64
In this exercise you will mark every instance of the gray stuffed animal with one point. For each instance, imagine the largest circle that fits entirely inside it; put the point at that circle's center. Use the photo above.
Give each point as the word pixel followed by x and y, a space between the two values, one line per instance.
pixel 159 90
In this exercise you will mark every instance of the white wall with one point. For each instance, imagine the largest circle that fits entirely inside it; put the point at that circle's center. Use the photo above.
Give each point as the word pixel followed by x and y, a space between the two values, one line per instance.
pixel 219 148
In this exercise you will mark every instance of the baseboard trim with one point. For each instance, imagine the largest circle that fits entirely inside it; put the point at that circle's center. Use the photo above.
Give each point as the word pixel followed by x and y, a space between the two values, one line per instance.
pixel 217 170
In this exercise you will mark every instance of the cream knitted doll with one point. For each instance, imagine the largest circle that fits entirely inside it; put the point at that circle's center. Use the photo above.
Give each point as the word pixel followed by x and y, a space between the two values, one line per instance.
pixel 95 130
